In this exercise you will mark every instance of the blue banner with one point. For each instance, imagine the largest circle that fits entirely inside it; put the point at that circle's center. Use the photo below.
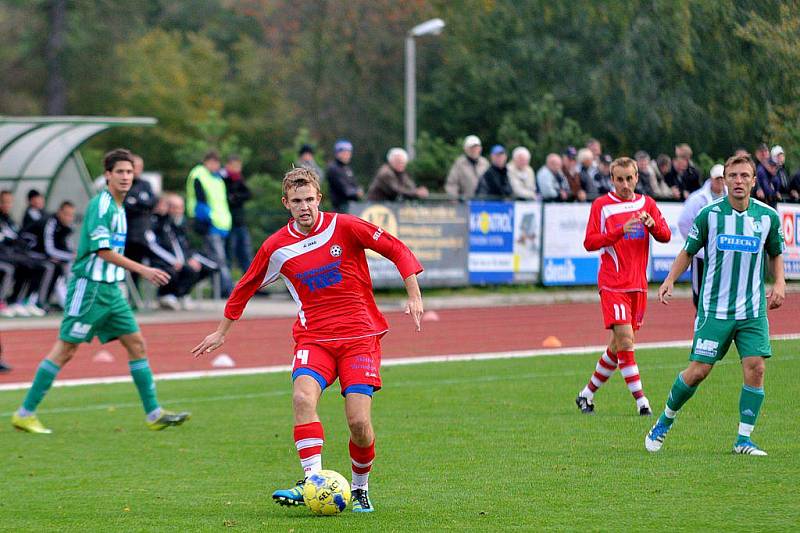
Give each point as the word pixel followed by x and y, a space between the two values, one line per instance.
pixel 491 242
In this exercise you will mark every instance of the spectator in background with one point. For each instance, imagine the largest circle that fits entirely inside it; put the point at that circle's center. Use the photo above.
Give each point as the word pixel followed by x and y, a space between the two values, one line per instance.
pixel 520 174
pixel 238 245
pixel 569 167
pixel 462 180
pixel 305 159
pixel 683 179
pixel 597 150
pixel 768 185
pixel 685 151
pixel 35 210
pixel 648 172
pixel 781 175
pixel 494 182
pixel 603 176
pixel 644 185
pixel 171 252
pixel 139 203
pixel 664 164
pixel 550 180
pixel 342 185
pixel 207 202
pixel 392 183
pixel 794 187
pixel 713 188
pixel 762 158
pixel 53 240
pixel 587 170
pixel 28 267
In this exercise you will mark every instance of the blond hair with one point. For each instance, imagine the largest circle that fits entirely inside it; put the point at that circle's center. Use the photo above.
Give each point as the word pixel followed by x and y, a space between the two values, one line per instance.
pixel 738 160
pixel 623 162
pixel 300 177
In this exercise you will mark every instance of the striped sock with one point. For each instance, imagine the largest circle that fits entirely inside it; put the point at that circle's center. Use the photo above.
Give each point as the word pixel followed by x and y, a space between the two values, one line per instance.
pixel 45 375
pixel 606 366
pixel 361 459
pixel 308 439
pixel 630 371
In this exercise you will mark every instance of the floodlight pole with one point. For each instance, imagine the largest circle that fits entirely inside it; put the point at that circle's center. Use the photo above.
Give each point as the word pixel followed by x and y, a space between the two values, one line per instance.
pixel 429 27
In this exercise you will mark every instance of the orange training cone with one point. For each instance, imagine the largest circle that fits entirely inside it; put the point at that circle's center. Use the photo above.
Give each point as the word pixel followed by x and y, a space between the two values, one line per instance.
pixel 551 342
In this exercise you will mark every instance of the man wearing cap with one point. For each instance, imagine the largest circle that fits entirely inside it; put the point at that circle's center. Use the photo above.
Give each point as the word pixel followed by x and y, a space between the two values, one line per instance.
pixel 305 159
pixel 713 189
pixel 462 180
pixel 392 183
pixel 342 184
pixel 494 182
pixel 782 179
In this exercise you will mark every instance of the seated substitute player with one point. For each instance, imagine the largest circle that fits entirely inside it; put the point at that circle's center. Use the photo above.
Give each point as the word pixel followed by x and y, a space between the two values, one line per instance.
pixel 95 305
pixel 321 258
pixel 737 233
pixel 620 225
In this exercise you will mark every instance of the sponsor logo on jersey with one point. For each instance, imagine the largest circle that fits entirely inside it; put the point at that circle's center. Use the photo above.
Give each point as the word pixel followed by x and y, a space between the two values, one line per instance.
pixel 377 234
pixel 79 330
pixel 324 276
pixel 706 347
pixel 336 250
pixel 309 243
pixel 637 233
pixel 694 232
pixel 738 243
pixel 118 240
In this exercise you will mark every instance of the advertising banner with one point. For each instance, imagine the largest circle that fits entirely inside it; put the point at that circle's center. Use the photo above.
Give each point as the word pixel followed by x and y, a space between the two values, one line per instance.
pixel 436 233
pixel 491 242
pixel 527 241
pixel 663 254
pixel 564 261
pixel 790 221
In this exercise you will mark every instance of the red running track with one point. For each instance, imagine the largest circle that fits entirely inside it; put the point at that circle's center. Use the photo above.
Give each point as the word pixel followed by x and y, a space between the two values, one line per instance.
pixel 267 341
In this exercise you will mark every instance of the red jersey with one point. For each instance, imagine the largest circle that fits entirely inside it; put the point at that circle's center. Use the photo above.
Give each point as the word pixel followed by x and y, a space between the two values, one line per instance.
pixel 327 275
pixel 623 257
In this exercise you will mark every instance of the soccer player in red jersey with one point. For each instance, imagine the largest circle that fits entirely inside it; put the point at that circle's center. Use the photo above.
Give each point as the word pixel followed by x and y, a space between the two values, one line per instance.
pixel 321 258
pixel 620 225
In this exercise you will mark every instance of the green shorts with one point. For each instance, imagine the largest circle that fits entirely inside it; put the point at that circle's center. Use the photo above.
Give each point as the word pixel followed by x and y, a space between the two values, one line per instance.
pixel 712 338
pixel 95 309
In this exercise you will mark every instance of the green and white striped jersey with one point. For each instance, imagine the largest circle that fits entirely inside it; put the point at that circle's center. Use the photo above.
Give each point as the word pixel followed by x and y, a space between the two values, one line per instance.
pixel 735 263
pixel 104 228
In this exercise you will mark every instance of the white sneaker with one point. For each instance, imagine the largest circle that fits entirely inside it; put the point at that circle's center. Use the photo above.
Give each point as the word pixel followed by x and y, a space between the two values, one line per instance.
pixel 19 310
pixel 169 302
pixel 6 311
pixel 187 303
pixel 35 310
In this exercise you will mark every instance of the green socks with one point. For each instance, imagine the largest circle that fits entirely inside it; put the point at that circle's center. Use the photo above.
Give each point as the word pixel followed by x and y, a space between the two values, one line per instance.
pixel 749 405
pixel 679 394
pixel 45 376
pixel 143 378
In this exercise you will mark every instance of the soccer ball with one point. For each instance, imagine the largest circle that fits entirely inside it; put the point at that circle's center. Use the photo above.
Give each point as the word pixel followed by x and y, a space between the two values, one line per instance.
pixel 326 493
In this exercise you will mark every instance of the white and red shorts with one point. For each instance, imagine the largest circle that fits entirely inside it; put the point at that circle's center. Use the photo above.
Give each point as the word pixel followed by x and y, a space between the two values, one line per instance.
pixel 356 362
pixel 623 308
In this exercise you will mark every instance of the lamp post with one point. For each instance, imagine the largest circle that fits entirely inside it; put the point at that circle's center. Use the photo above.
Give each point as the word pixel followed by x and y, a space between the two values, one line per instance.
pixel 429 27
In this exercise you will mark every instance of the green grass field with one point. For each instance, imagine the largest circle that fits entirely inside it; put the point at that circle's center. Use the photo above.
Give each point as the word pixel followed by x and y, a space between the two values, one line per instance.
pixel 474 445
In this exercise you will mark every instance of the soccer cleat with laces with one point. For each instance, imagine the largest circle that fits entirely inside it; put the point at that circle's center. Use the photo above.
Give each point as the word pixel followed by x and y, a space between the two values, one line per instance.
pixel 748 447
pixel 4 367
pixel 655 437
pixel 29 423
pixel 361 503
pixel 585 405
pixel 167 419
pixel 645 411
pixel 291 496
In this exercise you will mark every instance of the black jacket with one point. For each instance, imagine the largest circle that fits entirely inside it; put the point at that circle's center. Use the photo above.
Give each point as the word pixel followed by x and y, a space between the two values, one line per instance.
pixel 169 244
pixel 139 202
pixel 31 217
pixel 238 194
pixel 687 181
pixel 494 182
pixel 343 187
pixel 53 239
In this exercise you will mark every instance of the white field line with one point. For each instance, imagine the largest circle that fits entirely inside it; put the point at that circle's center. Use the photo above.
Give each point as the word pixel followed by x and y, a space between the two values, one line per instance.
pixel 482 356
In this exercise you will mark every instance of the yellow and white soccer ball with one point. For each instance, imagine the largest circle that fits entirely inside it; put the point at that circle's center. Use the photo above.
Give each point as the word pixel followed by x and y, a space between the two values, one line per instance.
pixel 326 493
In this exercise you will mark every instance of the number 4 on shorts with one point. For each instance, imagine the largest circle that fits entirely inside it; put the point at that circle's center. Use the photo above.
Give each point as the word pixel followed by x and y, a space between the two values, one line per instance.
pixel 302 355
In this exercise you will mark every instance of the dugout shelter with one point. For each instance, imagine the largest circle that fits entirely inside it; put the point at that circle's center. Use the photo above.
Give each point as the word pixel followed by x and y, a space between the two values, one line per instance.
pixel 42 153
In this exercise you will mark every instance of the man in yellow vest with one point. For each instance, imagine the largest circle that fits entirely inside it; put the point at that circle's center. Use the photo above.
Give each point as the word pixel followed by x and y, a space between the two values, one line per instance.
pixel 207 203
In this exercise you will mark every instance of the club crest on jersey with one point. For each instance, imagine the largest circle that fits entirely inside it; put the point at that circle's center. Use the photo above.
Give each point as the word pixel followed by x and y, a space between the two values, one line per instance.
pixel 757 226
pixel 336 250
